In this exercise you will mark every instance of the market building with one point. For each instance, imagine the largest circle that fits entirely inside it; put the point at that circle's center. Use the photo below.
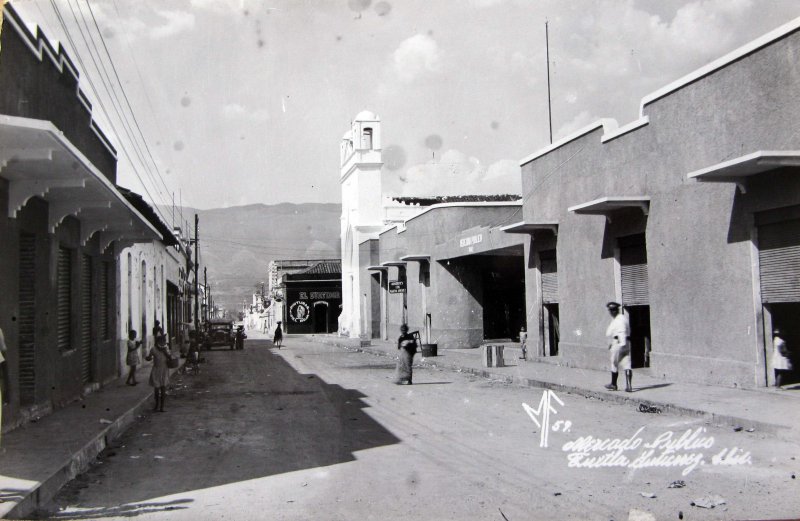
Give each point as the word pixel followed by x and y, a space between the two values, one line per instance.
pixel 689 216
pixel 63 224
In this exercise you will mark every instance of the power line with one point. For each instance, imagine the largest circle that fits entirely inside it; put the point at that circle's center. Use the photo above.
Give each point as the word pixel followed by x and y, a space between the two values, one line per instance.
pixel 78 56
pixel 125 95
pixel 107 84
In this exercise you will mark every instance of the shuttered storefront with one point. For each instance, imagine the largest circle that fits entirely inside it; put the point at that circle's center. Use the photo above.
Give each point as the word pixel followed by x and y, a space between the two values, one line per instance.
pixel 633 268
pixel 63 296
pixel 779 261
pixel 86 318
pixel 549 269
pixel 102 302
pixel 27 312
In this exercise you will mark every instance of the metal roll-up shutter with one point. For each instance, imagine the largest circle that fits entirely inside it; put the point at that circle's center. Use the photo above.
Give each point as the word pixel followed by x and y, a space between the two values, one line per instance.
pixel 64 298
pixel 86 318
pixel 549 270
pixel 102 302
pixel 779 261
pixel 27 312
pixel 633 270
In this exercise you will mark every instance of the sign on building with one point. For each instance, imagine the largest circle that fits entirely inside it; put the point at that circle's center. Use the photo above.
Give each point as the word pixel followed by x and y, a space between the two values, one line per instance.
pixel 397 286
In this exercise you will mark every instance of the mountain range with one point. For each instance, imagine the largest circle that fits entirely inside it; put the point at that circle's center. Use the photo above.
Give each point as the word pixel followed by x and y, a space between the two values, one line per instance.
pixel 237 243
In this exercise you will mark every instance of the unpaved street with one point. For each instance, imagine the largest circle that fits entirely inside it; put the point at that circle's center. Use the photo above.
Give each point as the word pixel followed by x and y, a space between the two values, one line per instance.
pixel 319 432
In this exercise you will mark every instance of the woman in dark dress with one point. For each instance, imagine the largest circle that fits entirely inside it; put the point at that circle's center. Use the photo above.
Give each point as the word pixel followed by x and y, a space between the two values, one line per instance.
pixel 278 339
pixel 407 346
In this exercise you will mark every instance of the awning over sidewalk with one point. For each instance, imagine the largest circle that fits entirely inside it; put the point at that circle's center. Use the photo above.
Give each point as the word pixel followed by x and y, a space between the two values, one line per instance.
pixel 416 258
pixel 39 161
pixel 394 264
pixel 531 228
pixel 738 169
pixel 607 205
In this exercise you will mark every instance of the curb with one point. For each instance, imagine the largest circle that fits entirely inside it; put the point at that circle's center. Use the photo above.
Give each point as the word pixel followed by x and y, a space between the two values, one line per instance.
pixel 724 420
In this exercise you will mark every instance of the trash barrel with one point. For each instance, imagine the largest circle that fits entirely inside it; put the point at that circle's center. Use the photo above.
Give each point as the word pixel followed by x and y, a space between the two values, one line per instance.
pixel 429 350
pixel 493 356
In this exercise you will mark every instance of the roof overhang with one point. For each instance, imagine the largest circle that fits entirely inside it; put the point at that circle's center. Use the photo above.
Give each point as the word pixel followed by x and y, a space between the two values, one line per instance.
pixel 394 264
pixel 607 205
pixel 416 258
pixel 378 268
pixel 530 227
pixel 37 160
pixel 738 169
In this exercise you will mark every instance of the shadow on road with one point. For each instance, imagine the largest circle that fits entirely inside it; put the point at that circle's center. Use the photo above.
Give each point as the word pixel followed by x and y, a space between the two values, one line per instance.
pixel 247 415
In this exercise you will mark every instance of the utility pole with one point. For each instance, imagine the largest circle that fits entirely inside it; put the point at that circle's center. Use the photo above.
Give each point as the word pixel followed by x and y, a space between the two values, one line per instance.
pixel 196 288
pixel 547 56
pixel 207 293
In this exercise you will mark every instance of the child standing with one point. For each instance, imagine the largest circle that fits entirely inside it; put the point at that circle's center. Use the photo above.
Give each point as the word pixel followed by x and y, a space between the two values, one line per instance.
pixel 133 358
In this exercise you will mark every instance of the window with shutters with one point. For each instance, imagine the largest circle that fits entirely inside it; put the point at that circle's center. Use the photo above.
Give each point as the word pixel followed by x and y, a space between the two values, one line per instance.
pixel 102 301
pixel 86 318
pixel 779 261
pixel 633 270
pixel 27 313
pixel 64 299
pixel 549 271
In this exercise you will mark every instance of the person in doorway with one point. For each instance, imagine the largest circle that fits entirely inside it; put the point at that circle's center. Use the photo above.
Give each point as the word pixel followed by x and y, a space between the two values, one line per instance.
pixel 407 345
pixel 619 336
pixel 159 376
pixel 781 363
pixel 132 359
pixel 3 370
pixel 523 341
pixel 277 340
pixel 3 376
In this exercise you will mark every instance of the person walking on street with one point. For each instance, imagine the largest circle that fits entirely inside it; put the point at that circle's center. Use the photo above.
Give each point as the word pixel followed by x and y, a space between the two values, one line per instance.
pixel 159 376
pixel 278 338
pixel 781 363
pixel 523 340
pixel 132 359
pixel 619 335
pixel 407 346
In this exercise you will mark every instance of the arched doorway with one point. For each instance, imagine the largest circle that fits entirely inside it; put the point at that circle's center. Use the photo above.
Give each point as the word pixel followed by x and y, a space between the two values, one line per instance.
pixel 321 317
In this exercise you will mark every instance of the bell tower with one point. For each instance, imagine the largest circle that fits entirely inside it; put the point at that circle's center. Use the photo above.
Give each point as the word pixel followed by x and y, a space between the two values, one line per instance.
pixel 362 211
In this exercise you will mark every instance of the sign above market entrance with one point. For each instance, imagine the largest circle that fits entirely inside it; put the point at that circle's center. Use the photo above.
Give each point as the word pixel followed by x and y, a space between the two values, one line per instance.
pixel 397 286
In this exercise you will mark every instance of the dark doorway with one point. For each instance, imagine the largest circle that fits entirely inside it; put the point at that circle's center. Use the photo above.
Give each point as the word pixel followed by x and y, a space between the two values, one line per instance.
pixel 785 317
pixel 503 280
pixel 552 333
pixel 639 317
pixel 320 317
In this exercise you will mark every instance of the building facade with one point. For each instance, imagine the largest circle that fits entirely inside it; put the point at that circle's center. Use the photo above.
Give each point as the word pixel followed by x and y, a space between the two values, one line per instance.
pixel 62 224
pixel 313 298
pixel 689 216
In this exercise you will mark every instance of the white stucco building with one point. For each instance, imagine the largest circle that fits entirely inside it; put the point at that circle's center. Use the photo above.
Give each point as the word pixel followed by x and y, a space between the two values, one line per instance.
pixel 365 211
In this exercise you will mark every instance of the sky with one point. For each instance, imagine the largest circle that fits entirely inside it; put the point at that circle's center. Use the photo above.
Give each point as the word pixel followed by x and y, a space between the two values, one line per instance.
pixel 245 101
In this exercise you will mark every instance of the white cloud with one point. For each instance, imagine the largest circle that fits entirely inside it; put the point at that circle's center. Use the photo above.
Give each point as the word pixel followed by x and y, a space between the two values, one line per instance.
pixel 415 56
pixel 456 173
pixel 177 22
pixel 239 111
pixel 581 120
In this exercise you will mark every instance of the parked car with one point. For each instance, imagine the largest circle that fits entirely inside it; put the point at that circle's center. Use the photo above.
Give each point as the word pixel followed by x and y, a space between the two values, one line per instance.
pixel 219 332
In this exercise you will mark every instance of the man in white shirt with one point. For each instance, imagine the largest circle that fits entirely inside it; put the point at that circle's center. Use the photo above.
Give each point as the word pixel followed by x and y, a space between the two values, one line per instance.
pixel 619 335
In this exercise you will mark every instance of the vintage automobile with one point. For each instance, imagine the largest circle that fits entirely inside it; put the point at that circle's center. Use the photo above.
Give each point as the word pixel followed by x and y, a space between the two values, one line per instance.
pixel 219 332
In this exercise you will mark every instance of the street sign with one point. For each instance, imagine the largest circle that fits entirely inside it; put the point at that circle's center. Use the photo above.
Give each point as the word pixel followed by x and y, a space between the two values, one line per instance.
pixel 397 286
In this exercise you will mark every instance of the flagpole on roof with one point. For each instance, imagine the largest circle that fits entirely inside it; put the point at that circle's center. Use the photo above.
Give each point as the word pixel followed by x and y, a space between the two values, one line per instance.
pixel 547 57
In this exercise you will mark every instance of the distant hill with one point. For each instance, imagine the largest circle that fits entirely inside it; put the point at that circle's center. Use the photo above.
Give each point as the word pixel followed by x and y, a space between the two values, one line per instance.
pixel 237 243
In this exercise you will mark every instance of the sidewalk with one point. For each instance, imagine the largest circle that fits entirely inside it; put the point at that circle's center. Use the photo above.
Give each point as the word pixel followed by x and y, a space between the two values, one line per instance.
pixel 766 410
pixel 38 458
